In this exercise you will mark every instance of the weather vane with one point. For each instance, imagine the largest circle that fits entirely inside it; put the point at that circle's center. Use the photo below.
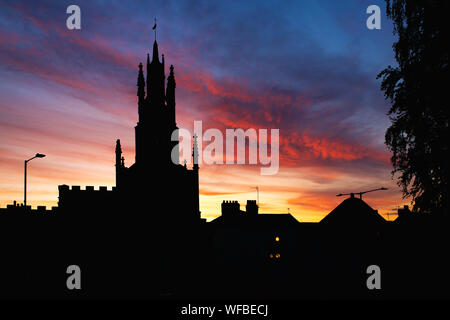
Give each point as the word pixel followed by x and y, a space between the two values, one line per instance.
pixel 154 28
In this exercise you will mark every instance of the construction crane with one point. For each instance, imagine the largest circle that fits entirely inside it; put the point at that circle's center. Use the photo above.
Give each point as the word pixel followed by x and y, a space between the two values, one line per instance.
pixel 352 195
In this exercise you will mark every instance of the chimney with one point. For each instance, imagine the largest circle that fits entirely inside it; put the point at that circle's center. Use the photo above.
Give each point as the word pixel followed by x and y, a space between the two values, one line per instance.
pixel 230 208
pixel 251 207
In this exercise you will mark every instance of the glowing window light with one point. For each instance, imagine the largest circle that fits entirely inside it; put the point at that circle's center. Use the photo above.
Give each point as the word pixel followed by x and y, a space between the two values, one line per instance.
pixel 277 238
pixel 271 256
pixel 277 256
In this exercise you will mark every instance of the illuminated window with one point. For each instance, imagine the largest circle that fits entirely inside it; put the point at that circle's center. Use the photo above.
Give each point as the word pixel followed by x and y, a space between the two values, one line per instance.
pixel 277 239
pixel 277 256
pixel 271 256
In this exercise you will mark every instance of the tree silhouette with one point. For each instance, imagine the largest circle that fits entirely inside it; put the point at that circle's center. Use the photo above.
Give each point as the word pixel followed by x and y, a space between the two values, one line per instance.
pixel 418 88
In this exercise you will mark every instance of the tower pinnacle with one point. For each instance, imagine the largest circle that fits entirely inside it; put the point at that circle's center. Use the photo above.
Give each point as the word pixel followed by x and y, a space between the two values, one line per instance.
pixel 170 95
pixel 148 75
pixel 195 153
pixel 118 151
pixel 141 84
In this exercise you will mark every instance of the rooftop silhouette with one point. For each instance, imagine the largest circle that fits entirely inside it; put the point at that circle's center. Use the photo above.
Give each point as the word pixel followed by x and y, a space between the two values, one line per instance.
pixel 145 238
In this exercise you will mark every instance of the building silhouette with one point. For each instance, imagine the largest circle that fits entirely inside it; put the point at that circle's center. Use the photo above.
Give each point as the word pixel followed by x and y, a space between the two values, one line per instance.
pixel 145 238
pixel 156 176
pixel 354 212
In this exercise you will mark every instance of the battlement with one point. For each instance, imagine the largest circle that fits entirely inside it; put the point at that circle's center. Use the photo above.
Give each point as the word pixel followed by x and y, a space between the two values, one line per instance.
pixel 66 188
pixel 76 198
pixel 16 208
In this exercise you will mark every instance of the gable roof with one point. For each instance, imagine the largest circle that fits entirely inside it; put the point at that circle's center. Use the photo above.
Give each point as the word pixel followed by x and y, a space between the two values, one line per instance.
pixel 353 212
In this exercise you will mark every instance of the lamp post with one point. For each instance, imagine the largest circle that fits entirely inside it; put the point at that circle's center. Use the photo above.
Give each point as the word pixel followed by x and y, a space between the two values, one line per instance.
pixel 38 155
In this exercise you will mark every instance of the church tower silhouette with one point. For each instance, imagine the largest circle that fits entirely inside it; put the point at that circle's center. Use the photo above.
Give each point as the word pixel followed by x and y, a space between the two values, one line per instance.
pixel 155 185
pixel 154 175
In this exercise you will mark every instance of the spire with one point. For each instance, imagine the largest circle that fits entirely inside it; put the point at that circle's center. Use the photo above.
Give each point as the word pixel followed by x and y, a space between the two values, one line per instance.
pixel 120 163
pixel 155 78
pixel 141 84
pixel 155 57
pixel 195 153
pixel 170 94
pixel 195 172
pixel 148 75
pixel 171 77
pixel 163 75
pixel 118 153
pixel 118 147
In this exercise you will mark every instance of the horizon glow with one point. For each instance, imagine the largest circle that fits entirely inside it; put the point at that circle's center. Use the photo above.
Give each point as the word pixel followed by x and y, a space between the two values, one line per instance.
pixel 308 69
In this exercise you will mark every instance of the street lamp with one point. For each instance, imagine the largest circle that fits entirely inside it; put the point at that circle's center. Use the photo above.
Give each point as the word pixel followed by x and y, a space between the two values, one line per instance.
pixel 38 155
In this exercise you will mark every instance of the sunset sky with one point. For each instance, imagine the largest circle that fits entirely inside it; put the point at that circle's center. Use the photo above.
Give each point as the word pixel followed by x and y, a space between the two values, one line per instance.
pixel 307 68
